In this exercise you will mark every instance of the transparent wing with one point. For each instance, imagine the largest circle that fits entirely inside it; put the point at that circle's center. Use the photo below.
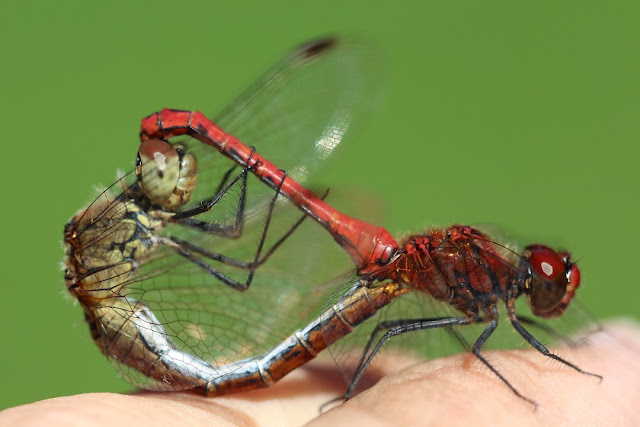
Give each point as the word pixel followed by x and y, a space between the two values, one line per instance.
pixel 295 115
pixel 567 330
pixel 299 112
pixel 205 318
pixel 348 351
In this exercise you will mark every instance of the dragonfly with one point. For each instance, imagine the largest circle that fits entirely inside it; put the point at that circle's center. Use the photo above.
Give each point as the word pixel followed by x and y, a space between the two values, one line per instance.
pixel 163 259
pixel 458 266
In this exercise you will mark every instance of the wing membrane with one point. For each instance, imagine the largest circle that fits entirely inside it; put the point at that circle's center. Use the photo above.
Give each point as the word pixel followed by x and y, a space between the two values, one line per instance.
pixel 296 115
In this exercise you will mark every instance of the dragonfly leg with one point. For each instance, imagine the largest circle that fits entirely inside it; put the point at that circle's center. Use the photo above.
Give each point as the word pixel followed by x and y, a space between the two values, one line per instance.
pixel 477 347
pixel 369 246
pixel 395 328
pixel 225 178
pixel 188 250
pixel 185 250
pixel 547 329
pixel 245 265
pixel 232 231
pixel 259 261
pixel 237 263
pixel 208 227
pixel 542 349
pixel 214 256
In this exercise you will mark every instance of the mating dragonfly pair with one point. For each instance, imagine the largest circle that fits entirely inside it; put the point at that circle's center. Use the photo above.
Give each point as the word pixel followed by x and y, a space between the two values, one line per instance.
pixel 160 264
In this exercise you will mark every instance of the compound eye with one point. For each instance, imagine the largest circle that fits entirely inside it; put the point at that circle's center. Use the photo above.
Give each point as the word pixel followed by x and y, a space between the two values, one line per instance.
pixel 158 169
pixel 548 284
pixel 574 277
pixel 546 262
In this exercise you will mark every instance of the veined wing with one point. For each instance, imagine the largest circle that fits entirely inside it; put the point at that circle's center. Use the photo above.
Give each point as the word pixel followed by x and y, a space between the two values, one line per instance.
pixel 182 304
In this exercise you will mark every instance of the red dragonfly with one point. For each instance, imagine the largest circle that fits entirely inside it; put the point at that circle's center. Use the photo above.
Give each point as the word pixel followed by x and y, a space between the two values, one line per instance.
pixel 160 259
pixel 195 349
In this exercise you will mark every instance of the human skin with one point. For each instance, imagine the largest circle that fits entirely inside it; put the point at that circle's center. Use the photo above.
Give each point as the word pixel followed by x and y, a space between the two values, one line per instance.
pixel 456 390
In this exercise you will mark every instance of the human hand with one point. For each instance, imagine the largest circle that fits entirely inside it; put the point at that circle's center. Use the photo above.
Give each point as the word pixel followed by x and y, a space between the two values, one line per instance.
pixel 453 390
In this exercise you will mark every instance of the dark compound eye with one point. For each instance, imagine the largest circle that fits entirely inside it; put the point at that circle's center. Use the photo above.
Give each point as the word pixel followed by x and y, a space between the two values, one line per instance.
pixel 553 282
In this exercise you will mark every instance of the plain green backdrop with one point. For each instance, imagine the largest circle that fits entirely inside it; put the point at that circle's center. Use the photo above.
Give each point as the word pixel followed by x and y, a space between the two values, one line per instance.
pixel 520 114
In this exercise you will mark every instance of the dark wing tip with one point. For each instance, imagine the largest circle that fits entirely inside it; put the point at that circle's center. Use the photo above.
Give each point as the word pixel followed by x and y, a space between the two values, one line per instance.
pixel 317 48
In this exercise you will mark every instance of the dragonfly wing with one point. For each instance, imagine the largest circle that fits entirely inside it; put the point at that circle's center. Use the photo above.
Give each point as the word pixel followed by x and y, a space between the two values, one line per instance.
pixel 416 305
pixel 348 351
pixel 297 114
pixel 204 318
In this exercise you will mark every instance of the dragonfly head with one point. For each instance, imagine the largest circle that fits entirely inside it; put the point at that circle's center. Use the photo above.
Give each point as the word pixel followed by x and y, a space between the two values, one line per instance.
pixel 166 173
pixel 552 282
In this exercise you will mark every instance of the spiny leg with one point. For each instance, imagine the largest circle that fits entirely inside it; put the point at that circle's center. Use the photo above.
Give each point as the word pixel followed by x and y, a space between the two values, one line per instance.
pixel 542 349
pixel 396 328
pixel 255 263
pixel 272 206
pixel 225 178
pixel 386 325
pixel 187 250
pixel 477 347
pixel 286 235
pixel 547 329
pixel 183 248
pixel 232 231
pixel 515 321
pixel 246 265
pixel 235 230
pixel 209 227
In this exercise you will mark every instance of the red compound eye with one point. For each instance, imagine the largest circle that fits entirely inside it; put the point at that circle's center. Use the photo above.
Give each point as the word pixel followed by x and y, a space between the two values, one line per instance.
pixel 574 277
pixel 546 262
pixel 553 282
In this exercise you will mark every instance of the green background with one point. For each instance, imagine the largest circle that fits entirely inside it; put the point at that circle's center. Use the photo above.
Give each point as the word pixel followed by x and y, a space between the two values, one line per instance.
pixel 520 114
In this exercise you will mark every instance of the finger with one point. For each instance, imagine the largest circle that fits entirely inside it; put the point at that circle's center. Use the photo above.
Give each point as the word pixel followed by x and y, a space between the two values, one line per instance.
pixel 453 390
pixel 293 401
pixel 460 390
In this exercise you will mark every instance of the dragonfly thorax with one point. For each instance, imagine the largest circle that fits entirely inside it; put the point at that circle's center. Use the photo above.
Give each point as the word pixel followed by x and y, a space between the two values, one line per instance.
pixel 166 174
pixel 457 265
pixel 102 246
